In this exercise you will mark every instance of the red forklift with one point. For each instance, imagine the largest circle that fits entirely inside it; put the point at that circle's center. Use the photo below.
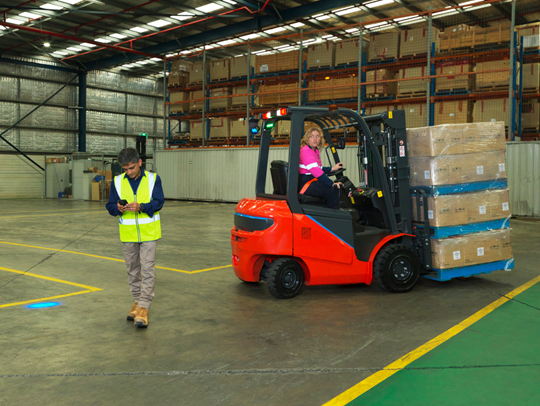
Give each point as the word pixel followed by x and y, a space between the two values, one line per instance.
pixel 289 239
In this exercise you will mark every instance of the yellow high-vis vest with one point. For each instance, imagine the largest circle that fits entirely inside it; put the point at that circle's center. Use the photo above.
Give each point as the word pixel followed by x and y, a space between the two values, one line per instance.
pixel 138 226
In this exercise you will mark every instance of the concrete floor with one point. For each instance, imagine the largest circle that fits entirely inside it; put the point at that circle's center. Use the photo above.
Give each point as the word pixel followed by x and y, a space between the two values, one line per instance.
pixel 212 340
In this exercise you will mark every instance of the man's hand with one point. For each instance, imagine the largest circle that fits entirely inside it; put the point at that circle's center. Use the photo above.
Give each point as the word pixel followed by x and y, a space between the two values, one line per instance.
pixel 337 166
pixel 133 206
pixel 121 208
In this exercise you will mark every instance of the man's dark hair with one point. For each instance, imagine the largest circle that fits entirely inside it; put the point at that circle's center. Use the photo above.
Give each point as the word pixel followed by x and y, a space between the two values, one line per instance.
pixel 128 156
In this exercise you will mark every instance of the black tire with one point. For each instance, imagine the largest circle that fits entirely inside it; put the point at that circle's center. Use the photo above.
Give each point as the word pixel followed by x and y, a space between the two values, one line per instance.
pixel 396 268
pixel 284 278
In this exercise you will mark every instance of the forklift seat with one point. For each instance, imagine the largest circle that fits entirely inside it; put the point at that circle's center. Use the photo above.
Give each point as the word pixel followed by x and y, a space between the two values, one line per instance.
pixel 279 172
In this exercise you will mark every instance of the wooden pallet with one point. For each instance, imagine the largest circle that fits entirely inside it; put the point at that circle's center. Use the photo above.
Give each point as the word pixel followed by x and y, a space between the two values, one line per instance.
pixel 218 80
pixel 193 84
pixel 531 90
pixel 419 55
pixel 491 89
pixel 411 95
pixel 530 130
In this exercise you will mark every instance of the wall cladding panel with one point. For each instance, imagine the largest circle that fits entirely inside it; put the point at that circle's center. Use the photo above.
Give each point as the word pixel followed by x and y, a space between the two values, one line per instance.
pixel 22 179
pixel 36 91
pixel 8 88
pixel 141 104
pixel 106 144
pixel 9 113
pixel 136 125
pixel 47 140
pixel 105 122
pixel 12 136
pixel 34 72
pixel 49 117
pixel 98 99
pixel 523 169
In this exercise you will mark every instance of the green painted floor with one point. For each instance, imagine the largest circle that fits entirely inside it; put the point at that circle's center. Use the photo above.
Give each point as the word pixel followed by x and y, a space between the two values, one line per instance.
pixel 496 361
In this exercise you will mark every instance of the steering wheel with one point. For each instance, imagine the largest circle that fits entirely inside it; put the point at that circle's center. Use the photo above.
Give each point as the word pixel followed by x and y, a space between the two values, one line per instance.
pixel 338 172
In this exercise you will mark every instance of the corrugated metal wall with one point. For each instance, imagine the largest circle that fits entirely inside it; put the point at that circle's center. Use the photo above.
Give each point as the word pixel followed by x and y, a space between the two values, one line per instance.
pixel 21 178
pixel 523 168
pixel 225 174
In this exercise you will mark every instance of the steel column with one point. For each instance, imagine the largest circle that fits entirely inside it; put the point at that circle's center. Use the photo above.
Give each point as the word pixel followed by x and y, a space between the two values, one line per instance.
pixel 82 112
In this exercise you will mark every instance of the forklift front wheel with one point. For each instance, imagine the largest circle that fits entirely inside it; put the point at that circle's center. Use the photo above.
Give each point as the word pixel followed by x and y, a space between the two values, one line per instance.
pixel 284 278
pixel 396 268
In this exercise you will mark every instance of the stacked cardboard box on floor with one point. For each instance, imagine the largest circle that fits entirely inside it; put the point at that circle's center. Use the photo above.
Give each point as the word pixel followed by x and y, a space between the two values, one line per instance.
pixel 348 52
pixel 462 154
pixel 453 112
pixel 492 79
pixel 239 65
pixel 415 114
pixel 219 70
pixel 415 41
pixel 415 86
pixel 279 62
pixel 382 88
pixel 179 97
pixel 453 81
pixel 383 46
pixel 491 110
pixel 321 55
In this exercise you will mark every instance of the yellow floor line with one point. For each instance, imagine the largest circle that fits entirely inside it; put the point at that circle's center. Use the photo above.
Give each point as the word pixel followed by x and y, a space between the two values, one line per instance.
pixel 375 379
pixel 110 259
pixel 48 278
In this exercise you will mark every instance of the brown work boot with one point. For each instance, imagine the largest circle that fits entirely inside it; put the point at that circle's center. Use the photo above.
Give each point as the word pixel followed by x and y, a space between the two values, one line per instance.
pixel 133 312
pixel 141 319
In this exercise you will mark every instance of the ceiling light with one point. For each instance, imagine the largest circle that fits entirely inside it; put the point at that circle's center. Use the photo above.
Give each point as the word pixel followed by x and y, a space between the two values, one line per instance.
pixel 249 36
pixel 413 21
pixel 70 1
pixel 187 51
pixel 375 25
pixel 142 62
pixel 15 21
pixel 139 29
pixel 296 25
pixel 2 27
pixel 119 36
pixel 469 2
pixel 60 53
pixel 74 49
pixel 405 18
pixel 379 3
pixel 46 44
pixel 446 13
pixel 352 30
pixel 31 16
pixel 170 55
pixel 103 40
pixel 49 6
pixel 386 27
pixel 183 16
pixel 230 1
pixel 209 8
pixel 227 42
pixel 274 30
pixel 87 44
pixel 155 59
pixel 127 65
pixel 321 18
pixel 159 23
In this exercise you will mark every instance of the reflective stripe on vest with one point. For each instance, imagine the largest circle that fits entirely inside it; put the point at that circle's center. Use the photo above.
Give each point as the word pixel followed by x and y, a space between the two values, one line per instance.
pixel 138 226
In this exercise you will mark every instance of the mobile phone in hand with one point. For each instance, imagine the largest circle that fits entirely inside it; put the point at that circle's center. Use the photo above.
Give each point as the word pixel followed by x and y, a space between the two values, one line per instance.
pixel 123 202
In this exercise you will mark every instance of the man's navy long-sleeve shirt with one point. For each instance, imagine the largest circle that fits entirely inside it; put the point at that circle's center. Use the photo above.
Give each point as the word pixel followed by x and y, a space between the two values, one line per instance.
pixel 149 208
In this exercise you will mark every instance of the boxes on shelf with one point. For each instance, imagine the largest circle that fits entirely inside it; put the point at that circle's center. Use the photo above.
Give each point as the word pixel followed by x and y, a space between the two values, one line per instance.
pixel 383 46
pixel 492 79
pixel 279 62
pixel 238 128
pixel 530 34
pixel 415 41
pixel 223 102
pixel 321 55
pixel 272 94
pixel 283 129
pixel 531 76
pixel 412 88
pixel 219 70
pixel 196 102
pixel 457 169
pixel 56 160
pixel 465 208
pixel 530 114
pixel 377 110
pixel 321 89
pixel 500 34
pixel 345 88
pixel 456 36
pixel 471 249
pixel 240 101
pixel 382 88
pixel 196 129
pixel 239 65
pixel 453 82
pixel 196 72
pixel 415 114
pixel 456 139
pixel 347 51
pixel 453 112
pixel 178 78
pixel 219 128
pixel 491 110
pixel 179 97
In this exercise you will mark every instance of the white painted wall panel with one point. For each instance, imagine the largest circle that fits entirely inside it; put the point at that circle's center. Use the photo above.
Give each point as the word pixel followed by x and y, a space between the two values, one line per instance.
pixel 523 169
pixel 21 178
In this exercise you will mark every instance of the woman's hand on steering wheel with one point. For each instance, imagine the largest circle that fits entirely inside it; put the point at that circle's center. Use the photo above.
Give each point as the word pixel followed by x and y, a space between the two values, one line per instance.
pixel 337 166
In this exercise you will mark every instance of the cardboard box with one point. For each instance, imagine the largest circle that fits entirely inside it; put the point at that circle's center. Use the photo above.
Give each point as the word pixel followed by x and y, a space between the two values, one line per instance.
pixel 219 70
pixel 219 128
pixel 531 76
pixel 456 36
pixel 55 160
pixel 347 51
pixel 345 88
pixel 321 55
pixel 457 169
pixel 491 110
pixel 498 34
pixel 493 79
pixel 196 100
pixel 223 102
pixel 452 82
pixel 179 97
pixel 196 130
pixel 453 112
pixel 415 114
pixel 382 87
pixel 383 46
pixel 530 114
pixel 239 65
pixel 196 73
pixel 239 128
pixel 412 87
pixel 471 249
pixel 321 89
pixel 271 94
pixel 456 139
pixel 415 41
pixel 279 62
pixel 96 191
pixel 179 73
pixel 487 206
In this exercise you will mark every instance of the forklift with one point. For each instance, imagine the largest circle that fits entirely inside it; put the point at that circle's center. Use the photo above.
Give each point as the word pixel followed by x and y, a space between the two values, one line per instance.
pixel 288 239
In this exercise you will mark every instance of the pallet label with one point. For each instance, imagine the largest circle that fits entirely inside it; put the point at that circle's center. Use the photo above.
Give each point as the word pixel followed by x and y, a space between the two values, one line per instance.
pixel 505 206
pixel 457 255
pixel 480 170
pixel 426 175
pixel 482 209
pixel 501 167
pixel 480 251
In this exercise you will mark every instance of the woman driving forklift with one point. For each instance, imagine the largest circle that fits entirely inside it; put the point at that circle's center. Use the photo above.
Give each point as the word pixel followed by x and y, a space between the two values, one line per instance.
pixel 313 176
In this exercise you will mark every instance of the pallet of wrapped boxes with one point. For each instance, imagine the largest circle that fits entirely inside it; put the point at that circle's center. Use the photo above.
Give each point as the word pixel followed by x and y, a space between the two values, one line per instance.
pixel 461 167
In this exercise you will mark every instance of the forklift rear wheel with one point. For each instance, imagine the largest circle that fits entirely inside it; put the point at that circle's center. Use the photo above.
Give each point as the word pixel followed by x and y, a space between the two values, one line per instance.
pixel 284 278
pixel 396 268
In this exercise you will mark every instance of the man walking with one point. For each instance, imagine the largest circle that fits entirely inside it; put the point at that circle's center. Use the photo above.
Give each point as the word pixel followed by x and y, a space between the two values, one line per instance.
pixel 137 196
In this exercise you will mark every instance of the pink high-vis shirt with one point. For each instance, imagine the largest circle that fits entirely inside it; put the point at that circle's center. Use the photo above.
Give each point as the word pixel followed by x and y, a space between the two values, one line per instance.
pixel 310 162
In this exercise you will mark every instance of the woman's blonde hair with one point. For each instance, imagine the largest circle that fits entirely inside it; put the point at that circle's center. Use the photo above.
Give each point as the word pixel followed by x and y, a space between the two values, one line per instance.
pixel 305 138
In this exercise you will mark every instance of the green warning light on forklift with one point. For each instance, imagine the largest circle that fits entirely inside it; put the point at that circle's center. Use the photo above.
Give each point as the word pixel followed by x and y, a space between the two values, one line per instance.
pixel 269 125
pixel 144 135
